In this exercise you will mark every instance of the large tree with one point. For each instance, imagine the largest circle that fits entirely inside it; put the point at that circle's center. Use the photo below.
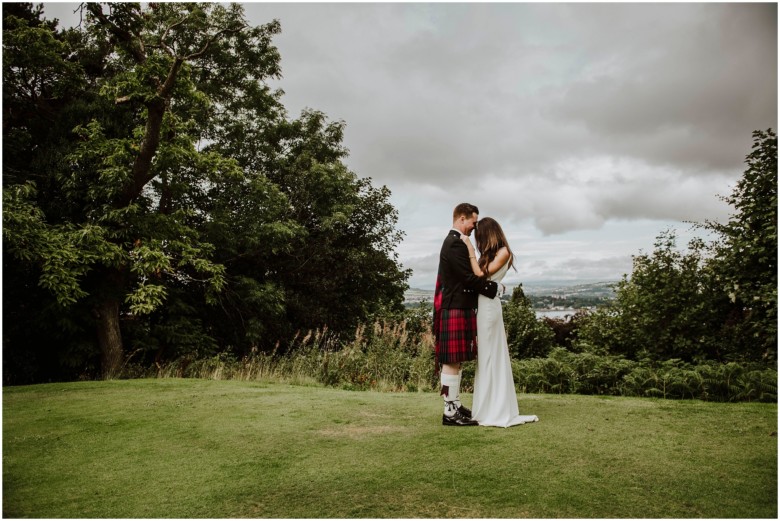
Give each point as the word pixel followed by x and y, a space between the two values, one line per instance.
pixel 156 189
pixel 745 256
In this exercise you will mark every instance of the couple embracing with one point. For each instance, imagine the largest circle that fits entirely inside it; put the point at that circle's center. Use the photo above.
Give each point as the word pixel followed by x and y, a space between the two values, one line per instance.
pixel 463 286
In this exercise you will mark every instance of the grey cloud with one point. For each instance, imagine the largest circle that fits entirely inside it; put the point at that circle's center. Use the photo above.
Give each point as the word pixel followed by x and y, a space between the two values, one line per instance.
pixel 604 269
pixel 445 92
pixel 686 90
pixel 424 267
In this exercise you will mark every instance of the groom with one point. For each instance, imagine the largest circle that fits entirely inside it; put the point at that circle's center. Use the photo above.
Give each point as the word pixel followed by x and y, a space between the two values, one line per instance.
pixel 455 312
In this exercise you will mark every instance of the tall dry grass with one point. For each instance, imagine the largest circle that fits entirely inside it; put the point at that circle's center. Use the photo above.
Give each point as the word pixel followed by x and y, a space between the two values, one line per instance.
pixel 383 356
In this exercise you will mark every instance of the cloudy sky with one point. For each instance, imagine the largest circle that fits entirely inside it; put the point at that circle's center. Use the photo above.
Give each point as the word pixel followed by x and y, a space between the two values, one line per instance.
pixel 584 129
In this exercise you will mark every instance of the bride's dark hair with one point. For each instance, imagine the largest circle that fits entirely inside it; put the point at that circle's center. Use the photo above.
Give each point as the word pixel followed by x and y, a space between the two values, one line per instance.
pixel 490 238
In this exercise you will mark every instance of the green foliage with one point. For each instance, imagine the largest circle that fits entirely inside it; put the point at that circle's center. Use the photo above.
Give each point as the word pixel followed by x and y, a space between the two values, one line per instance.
pixel 526 335
pixel 745 258
pixel 588 373
pixel 667 309
pixel 566 330
pixel 64 252
pixel 344 229
pixel 142 175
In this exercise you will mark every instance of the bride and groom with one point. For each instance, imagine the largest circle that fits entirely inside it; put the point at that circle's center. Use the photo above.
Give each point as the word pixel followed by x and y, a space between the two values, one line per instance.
pixel 463 286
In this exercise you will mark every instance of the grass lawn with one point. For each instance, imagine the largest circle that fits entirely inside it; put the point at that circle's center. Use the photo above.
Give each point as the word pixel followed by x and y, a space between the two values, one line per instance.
pixel 200 448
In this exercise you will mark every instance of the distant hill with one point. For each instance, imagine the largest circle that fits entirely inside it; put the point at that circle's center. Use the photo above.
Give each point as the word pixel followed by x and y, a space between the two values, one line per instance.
pixel 556 289
pixel 415 296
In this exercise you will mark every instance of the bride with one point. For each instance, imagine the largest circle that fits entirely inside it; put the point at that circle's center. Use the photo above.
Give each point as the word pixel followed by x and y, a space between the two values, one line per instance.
pixel 495 402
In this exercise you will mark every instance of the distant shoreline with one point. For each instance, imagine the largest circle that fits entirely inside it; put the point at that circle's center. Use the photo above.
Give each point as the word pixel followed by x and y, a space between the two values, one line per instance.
pixel 553 289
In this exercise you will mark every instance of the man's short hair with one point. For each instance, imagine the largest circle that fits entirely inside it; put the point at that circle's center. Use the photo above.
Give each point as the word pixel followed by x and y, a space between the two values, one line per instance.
pixel 464 209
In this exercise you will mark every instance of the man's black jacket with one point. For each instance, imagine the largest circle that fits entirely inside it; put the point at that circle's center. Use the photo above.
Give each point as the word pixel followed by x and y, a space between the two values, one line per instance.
pixel 460 287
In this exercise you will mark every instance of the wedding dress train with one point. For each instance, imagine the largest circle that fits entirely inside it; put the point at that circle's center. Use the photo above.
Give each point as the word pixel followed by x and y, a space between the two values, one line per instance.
pixel 495 401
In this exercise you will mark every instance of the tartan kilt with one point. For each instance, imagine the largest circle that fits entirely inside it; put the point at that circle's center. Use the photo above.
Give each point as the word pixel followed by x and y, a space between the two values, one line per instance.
pixel 456 335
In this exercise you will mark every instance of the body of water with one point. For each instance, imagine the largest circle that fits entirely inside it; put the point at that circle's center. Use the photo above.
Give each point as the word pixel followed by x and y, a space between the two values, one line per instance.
pixel 554 313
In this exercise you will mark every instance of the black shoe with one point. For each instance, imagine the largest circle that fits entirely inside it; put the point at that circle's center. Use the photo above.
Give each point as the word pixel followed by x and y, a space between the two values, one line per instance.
pixel 465 411
pixel 457 420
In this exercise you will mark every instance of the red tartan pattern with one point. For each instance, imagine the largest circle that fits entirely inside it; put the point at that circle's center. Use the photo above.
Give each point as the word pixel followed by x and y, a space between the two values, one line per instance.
pixel 456 335
pixel 437 297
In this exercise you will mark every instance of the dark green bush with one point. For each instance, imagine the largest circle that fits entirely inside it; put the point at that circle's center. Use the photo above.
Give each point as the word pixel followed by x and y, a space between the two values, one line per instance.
pixel 587 373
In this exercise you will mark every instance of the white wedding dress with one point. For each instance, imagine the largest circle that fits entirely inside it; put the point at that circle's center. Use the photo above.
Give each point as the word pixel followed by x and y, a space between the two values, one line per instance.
pixel 495 402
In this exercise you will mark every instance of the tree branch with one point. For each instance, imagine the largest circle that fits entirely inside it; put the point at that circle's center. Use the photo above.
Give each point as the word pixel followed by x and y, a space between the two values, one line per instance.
pixel 142 165
pixel 165 35
pixel 211 40
pixel 124 36
pixel 165 90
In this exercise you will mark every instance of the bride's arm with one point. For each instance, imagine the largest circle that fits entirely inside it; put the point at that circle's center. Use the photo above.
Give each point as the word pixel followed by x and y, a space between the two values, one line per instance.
pixel 502 257
pixel 472 256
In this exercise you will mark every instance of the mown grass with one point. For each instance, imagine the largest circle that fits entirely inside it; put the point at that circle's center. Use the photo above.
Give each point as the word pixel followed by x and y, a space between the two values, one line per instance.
pixel 199 448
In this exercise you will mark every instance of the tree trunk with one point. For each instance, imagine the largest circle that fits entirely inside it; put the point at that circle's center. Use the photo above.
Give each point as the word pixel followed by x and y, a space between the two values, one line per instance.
pixel 109 337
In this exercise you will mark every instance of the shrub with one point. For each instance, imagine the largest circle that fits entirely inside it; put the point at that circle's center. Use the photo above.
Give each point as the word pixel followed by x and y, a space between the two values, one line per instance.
pixel 526 335
pixel 587 373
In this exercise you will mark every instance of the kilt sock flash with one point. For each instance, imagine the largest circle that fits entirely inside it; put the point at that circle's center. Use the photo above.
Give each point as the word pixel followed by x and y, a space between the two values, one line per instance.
pixel 450 391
